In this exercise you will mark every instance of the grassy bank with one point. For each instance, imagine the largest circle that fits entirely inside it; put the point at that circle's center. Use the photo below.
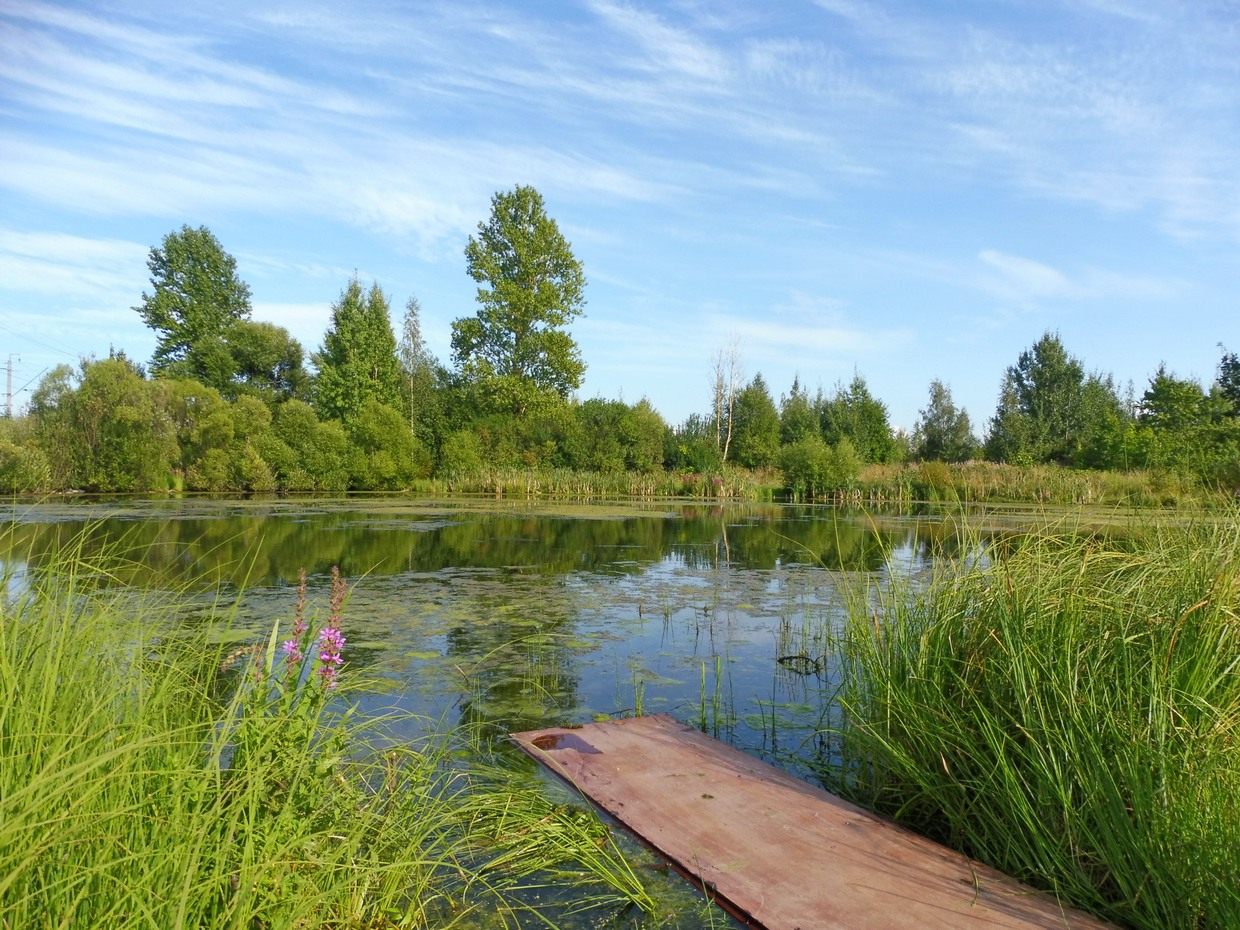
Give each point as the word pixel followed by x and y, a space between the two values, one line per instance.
pixel 561 483
pixel 152 781
pixel 1069 713
pixel 992 483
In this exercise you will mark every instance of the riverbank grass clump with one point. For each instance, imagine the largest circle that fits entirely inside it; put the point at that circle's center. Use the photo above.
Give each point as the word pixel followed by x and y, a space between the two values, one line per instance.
pixel 1067 711
pixel 149 779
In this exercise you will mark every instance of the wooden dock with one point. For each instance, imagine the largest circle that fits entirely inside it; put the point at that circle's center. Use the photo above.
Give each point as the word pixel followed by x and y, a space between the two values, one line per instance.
pixel 777 852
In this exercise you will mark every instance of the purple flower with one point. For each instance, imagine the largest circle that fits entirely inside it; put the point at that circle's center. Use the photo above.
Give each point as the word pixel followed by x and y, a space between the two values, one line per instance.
pixel 292 651
pixel 331 640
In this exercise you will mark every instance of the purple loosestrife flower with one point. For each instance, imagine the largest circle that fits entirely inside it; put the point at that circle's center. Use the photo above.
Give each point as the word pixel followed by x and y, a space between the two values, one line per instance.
pixel 331 640
pixel 293 651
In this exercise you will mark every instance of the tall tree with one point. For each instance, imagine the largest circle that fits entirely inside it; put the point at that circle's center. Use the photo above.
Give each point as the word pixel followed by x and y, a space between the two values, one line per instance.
pixel 196 294
pixel 1227 384
pixel 853 413
pixel 755 433
pixel 797 419
pixel 358 359
pixel 727 377
pixel 943 432
pixel 256 358
pixel 515 350
pixel 1038 416
pixel 421 375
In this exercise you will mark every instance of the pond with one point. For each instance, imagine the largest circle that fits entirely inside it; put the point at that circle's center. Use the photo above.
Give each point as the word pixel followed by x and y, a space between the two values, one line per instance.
pixel 515 615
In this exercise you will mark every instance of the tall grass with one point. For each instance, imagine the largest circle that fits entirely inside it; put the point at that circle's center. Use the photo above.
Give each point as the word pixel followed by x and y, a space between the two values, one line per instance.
pixel 989 482
pixel 570 484
pixel 1067 711
pixel 143 787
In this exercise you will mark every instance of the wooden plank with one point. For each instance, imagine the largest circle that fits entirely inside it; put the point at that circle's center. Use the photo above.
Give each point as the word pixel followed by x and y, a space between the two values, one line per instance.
pixel 778 852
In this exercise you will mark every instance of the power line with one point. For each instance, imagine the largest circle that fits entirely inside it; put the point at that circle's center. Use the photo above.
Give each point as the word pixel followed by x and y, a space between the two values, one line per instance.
pixel 29 338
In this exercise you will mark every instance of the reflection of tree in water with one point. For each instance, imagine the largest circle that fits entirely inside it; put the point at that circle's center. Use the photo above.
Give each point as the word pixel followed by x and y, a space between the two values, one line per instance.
pixel 244 547
pixel 833 539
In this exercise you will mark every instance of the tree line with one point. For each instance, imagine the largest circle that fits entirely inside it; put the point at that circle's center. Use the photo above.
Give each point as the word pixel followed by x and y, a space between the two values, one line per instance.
pixel 230 404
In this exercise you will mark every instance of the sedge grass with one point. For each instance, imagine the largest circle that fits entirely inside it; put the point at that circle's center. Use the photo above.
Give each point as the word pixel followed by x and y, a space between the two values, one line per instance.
pixel 1067 711
pixel 143 787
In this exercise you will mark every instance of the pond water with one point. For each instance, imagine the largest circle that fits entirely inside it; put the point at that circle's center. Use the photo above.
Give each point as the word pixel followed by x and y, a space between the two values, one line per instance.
pixel 514 615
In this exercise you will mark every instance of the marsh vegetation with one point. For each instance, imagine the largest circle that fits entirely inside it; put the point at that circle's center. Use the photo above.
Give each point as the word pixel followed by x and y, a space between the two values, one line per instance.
pixel 1054 693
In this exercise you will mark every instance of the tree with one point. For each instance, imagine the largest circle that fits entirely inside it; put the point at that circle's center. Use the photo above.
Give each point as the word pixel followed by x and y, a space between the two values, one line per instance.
pixel 422 381
pixel 755 431
pixel 1227 384
pixel 943 433
pixel 268 363
pixel 1039 415
pixel 388 457
pixel 260 359
pixel 797 419
pixel 53 428
pixel 122 440
pixel 727 375
pixel 197 294
pixel 358 359
pixel 515 350
pixel 853 413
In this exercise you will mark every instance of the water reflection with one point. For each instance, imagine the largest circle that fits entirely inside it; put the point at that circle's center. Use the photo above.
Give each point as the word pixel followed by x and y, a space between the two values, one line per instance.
pixel 518 616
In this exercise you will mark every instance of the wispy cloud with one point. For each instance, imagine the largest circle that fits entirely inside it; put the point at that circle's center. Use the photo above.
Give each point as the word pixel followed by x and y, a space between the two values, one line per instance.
pixel 68 265
pixel 1027 281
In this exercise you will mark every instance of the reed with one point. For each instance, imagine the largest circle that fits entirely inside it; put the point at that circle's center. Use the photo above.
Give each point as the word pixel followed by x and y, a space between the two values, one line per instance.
pixel 570 484
pixel 1066 710
pixel 149 780
pixel 989 482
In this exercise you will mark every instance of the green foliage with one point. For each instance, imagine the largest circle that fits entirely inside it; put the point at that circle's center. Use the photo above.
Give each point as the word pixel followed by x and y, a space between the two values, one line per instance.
pixel 267 362
pixel 204 426
pixel 23 465
pixel 358 359
pixel 422 380
pixel 813 469
pixel 1066 712
pixel 1227 385
pixel 461 455
pixel 797 418
pixel 1048 411
pixel 196 294
pixel 854 414
pixel 1187 431
pixel 389 456
pixel 612 437
pixel 121 440
pixel 943 433
pixel 515 350
pixel 52 424
pixel 755 426
pixel 691 447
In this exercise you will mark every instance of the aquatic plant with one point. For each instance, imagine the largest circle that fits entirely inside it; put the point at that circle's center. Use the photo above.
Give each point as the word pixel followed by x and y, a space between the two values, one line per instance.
pixel 1065 709
pixel 144 785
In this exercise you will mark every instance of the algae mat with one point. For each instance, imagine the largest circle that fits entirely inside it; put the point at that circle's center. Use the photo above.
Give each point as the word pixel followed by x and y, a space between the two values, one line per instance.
pixel 777 852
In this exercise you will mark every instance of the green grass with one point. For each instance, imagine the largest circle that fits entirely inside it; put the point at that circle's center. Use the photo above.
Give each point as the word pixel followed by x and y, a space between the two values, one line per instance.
pixel 143 786
pixel 569 484
pixel 988 482
pixel 1068 711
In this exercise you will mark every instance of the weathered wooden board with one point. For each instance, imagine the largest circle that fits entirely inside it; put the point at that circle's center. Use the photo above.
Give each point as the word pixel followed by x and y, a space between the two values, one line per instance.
pixel 778 852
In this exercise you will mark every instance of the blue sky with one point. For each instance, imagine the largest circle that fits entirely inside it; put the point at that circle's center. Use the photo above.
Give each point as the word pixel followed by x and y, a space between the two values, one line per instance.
pixel 901 189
